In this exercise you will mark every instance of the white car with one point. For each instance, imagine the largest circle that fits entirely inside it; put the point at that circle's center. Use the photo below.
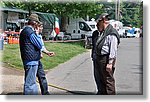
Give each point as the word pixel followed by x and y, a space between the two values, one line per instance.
pixel 137 32
pixel 123 32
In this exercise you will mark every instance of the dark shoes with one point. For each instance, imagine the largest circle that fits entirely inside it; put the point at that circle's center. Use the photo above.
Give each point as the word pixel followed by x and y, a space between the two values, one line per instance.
pixel 98 93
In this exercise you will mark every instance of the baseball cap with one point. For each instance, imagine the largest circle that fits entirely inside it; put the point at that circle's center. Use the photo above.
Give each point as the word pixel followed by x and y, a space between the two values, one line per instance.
pixel 34 17
pixel 102 16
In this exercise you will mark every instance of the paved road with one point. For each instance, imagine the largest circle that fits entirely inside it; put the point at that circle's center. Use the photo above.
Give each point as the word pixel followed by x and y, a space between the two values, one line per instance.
pixel 129 70
pixel 76 75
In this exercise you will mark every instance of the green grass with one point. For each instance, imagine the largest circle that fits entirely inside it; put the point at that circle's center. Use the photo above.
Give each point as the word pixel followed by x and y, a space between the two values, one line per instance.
pixel 63 51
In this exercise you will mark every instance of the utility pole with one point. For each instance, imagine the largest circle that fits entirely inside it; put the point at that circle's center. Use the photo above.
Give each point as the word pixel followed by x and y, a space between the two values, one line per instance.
pixel 117 9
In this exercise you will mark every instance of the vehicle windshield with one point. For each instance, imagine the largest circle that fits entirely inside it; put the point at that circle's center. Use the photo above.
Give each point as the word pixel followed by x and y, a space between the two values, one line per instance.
pixel 84 26
pixel 92 26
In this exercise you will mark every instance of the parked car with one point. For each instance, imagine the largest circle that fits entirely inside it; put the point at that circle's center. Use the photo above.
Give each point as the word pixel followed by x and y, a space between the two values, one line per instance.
pixel 137 32
pixel 63 36
pixel 78 28
pixel 123 31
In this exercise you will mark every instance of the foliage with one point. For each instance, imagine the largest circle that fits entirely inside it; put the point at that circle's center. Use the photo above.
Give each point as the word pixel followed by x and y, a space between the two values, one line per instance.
pixel 130 12
pixel 141 14
pixel 63 10
pixel 69 9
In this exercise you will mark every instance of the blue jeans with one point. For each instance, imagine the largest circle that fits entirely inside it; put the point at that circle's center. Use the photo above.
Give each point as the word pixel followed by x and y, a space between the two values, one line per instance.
pixel 42 79
pixel 30 86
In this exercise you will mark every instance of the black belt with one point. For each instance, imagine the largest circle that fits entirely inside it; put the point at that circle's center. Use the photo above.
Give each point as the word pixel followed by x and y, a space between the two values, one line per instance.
pixel 103 55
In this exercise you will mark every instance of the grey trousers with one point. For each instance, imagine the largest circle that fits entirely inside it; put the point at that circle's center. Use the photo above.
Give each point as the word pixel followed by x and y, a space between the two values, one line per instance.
pixel 104 79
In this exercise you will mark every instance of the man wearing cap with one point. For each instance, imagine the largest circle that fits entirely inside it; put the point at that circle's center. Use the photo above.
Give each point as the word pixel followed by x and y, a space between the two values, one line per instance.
pixel 105 42
pixel 30 48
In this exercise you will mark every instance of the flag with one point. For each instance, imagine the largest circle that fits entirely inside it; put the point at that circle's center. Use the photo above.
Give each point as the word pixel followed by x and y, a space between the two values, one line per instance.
pixel 56 28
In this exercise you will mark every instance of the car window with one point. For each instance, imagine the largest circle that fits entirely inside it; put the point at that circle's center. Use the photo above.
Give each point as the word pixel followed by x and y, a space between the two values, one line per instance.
pixel 84 26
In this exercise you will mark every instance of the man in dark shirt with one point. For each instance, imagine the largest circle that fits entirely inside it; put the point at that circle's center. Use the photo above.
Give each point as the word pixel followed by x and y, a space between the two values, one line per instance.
pixel 105 42
pixel 30 48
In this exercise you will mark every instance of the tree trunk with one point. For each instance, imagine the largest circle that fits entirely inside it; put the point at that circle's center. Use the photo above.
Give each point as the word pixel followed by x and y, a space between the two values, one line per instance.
pixel 64 23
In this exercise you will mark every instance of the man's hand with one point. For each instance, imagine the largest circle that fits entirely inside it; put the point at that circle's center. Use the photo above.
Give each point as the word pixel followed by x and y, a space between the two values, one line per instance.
pixel 50 54
pixel 41 55
pixel 109 67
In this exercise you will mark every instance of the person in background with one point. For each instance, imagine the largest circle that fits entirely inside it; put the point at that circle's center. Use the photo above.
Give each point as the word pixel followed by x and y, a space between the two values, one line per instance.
pixel 105 44
pixel 40 73
pixel 95 36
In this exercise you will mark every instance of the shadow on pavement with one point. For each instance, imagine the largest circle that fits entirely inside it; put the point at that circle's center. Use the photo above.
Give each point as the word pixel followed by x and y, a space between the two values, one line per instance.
pixel 81 93
pixel 67 93
pixel 12 93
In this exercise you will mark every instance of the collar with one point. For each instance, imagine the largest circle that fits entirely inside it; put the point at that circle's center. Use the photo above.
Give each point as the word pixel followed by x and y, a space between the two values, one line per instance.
pixel 31 27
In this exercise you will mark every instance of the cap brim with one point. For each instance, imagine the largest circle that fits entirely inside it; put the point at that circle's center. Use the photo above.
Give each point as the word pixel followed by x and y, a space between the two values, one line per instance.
pixel 104 16
pixel 34 20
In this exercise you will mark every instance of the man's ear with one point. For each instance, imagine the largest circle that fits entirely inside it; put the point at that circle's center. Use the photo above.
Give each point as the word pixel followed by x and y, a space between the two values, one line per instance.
pixel 103 20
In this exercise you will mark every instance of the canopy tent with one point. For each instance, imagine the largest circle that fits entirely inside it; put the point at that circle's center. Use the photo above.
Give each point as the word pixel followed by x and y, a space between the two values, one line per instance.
pixel 48 19
pixel 13 9
pixel 51 19
pixel 49 23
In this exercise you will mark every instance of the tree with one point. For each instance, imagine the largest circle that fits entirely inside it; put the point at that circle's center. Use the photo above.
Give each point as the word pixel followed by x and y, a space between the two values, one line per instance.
pixel 141 14
pixel 74 9
pixel 131 13
pixel 64 10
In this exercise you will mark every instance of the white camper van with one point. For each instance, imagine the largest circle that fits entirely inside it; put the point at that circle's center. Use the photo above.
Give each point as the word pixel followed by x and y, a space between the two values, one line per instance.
pixel 118 26
pixel 79 29
pixel 92 24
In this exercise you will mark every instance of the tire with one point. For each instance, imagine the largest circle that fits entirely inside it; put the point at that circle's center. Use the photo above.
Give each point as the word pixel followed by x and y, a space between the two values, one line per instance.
pixel 82 36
